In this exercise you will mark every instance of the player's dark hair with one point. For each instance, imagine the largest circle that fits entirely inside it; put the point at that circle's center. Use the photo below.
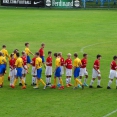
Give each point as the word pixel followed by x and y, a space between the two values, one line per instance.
pixel 26 44
pixel 49 52
pixel 23 52
pixel 16 50
pixel 4 46
pixel 17 54
pixel 75 54
pixel 12 55
pixel 42 44
pixel 37 53
pixel 1 54
pixel 98 56
pixel 84 55
pixel 55 54
pixel 58 54
pixel 114 57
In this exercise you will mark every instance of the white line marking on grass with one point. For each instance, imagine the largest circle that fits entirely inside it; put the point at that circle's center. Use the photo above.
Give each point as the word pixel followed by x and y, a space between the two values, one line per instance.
pixel 110 113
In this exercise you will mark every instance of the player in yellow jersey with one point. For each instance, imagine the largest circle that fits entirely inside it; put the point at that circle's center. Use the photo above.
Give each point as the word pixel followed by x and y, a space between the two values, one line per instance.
pixel 28 52
pixel 38 68
pixel 77 64
pixel 4 51
pixel 57 72
pixel 2 68
pixel 19 64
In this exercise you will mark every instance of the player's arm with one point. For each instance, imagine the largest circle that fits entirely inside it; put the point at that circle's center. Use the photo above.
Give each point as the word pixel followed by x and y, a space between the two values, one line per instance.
pixel 31 53
pixel 95 67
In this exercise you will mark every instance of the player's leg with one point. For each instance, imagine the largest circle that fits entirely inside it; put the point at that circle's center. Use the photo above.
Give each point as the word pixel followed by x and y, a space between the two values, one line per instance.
pixel 111 77
pixel 70 75
pixel 50 75
pixel 67 77
pixel 11 77
pixel 99 81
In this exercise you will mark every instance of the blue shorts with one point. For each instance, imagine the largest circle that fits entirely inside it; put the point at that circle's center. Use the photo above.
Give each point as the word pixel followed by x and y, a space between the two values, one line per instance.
pixel 39 71
pixel 76 72
pixel 19 72
pixel 2 69
pixel 28 59
pixel 58 72
pixel 43 59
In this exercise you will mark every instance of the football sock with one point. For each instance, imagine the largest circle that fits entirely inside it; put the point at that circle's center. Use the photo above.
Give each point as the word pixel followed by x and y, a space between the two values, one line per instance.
pixel 15 81
pixel 61 82
pixel 55 81
pixel 50 80
pixel 28 66
pixel 109 83
pixel 85 80
pixel 98 82
pixel 67 81
pixel 32 79
pixel 78 81
pixel 24 78
pixel 47 80
pixel 116 82
pixel 19 80
pixel 42 82
pixel 91 82
pixel 0 80
pixel 37 83
pixel 23 82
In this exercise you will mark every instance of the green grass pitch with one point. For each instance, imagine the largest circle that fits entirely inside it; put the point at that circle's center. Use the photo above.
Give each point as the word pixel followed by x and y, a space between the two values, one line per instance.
pixel 93 31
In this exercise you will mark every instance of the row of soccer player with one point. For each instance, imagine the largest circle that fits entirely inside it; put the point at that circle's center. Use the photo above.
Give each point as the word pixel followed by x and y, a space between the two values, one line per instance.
pixel 18 68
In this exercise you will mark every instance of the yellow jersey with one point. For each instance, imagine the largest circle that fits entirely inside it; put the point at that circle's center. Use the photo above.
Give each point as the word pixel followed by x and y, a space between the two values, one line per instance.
pixel 27 51
pixel 57 62
pixel 5 53
pixel 19 62
pixel 38 62
pixel 77 62
pixel 15 57
pixel 2 60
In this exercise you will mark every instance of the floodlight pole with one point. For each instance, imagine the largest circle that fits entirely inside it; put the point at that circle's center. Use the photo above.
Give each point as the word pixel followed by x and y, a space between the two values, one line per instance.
pixel 84 4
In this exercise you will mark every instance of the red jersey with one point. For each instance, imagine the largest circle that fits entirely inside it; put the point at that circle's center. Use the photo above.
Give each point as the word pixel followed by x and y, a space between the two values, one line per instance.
pixel 24 58
pixel 96 64
pixel 41 52
pixel 12 63
pixel 68 63
pixel 33 60
pixel 62 61
pixel 84 63
pixel 113 65
pixel 49 61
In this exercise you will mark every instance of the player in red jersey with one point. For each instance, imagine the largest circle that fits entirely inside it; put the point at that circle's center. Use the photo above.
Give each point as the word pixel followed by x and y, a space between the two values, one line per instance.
pixel 113 72
pixel 12 68
pixel 41 53
pixel 68 66
pixel 96 72
pixel 48 71
pixel 34 73
pixel 83 70
pixel 25 67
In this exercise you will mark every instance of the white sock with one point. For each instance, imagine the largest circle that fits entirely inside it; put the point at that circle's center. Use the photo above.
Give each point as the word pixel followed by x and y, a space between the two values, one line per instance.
pixel 116 82
pixel 98 82
pixel 85 80
pixel 67 80
pixel 11 80
pixel 91 82
pixel 25 79
pixel 50 80
pixel 110 82
pixel 33 79
pixel 19 80
pixel 47 80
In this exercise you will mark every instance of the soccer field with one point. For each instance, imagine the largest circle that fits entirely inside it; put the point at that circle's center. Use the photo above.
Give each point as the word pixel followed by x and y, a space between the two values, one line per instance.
pixel 90 31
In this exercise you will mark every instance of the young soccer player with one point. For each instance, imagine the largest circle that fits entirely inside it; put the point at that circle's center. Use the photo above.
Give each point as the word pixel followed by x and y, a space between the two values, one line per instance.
pixel 68 65
pixel 96 72
pixel 2 69
pixel 4 51
pixel 18 66
pixel 28 52
pixel 62 63
pixel 38 67
pixel 48 71
pixel 57 72
pixel 12 68
pixel 83 70
pixel 34 73
pixel 41 53
pixel 113 72
pixel 24 68
pixel 77 65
